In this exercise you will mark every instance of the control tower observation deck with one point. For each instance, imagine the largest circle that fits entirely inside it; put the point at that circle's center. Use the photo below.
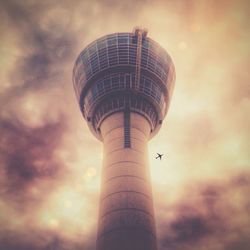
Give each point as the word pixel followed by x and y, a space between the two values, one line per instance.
pixel 123 83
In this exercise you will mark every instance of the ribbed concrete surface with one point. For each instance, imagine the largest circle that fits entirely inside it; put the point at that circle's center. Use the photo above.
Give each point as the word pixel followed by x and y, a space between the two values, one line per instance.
pixel 126 217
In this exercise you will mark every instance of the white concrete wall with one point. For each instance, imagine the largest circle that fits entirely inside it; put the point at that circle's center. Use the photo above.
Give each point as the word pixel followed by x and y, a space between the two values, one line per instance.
pixel 126 217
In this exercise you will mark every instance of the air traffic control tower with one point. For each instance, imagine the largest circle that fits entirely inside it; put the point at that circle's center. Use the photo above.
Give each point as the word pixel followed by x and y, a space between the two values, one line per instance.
pixel 123 83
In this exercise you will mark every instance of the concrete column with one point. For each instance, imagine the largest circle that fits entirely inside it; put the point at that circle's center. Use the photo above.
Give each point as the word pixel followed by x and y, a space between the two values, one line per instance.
pixel 126 216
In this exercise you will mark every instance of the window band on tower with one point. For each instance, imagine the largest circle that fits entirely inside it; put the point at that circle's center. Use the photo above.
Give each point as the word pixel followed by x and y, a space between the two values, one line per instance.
pixel 127 142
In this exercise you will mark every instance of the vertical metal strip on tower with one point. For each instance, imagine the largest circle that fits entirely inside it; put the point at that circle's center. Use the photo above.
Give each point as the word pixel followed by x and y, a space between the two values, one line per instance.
pixel 127 142
pixel 138 33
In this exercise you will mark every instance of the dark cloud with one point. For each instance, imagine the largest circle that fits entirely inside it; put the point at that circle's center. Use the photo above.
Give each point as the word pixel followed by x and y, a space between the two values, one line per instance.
pixel 211 216
pixel 240 244
pixel 27 153
pixel 42 240
pixel 45 45
pixel 27 159
pixel 190 229
pixel 30 169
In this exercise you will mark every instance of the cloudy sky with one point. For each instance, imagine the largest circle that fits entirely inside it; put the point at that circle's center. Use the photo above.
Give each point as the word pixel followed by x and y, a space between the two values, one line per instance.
pixel 50 162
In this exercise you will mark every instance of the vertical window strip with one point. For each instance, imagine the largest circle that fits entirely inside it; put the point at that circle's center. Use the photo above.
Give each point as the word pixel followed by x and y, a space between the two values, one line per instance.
pixel 127 142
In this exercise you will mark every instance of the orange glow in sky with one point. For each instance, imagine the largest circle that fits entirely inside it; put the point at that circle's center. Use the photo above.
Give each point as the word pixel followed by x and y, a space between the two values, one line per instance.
pixel 50 161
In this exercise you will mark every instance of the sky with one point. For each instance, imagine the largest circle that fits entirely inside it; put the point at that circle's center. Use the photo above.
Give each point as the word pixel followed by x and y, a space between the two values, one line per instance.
pixel 50 163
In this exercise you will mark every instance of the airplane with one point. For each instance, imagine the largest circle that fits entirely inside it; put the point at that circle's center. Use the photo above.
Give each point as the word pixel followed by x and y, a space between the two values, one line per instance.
pixel 159 156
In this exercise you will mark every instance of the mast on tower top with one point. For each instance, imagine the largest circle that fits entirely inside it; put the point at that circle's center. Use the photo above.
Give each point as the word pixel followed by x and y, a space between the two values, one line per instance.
pixel 140 33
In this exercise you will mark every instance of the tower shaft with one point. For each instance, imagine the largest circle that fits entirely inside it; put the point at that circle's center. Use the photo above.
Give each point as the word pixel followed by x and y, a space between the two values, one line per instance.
pixel 126 215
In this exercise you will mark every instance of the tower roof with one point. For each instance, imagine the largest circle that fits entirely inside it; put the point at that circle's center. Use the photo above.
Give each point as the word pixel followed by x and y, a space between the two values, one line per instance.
pixel 119 49
pixel 124 64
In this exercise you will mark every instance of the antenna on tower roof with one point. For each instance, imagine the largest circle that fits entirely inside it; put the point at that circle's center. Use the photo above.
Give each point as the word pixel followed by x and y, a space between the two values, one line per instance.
pixel 139 30
pixel 140 33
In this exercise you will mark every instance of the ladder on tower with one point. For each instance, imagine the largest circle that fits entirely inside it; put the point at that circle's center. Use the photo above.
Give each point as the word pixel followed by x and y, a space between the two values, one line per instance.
pixel 140 34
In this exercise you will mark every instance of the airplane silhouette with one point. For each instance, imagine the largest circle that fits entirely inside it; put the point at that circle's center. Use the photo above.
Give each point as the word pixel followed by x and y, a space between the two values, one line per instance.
pixel 159 156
